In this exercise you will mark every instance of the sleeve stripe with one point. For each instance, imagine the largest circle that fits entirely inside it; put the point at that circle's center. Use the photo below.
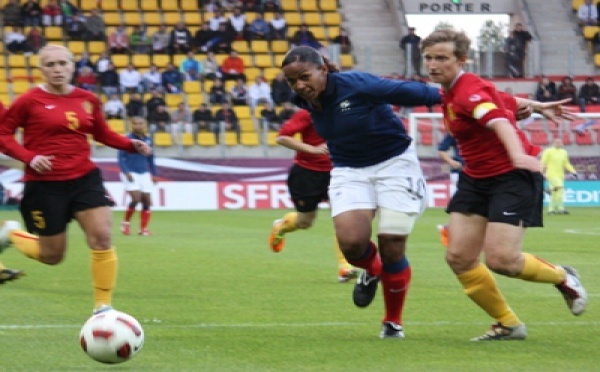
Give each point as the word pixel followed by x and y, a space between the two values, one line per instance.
pixel 482 109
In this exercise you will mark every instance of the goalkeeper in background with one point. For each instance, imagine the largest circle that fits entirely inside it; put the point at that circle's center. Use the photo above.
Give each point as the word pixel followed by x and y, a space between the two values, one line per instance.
pixel 555 160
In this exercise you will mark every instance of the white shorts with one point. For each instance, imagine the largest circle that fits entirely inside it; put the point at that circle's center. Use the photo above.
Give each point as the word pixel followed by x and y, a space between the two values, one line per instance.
pixel 141 182
pixel 396 184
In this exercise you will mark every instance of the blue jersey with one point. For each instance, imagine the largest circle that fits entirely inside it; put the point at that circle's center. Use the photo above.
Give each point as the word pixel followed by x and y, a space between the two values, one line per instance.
pixel 356 118
pixel 448 142
pixel 135 162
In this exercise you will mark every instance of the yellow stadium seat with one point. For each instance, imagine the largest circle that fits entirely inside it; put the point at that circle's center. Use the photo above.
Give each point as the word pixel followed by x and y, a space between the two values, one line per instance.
pixel 120 60
pixel 195 99
pixel 252 73
pixel 131 5
pixel 280 46
pixel 112 19
pixel 231 139
pixel 173 100
pixel 206 139
pixel 149 6
pixel 247 58
pixel 260 46
pixel 187 139
pixel 319 32
pixel 152 18
pixel 249 139
pixel 5 99
pixel 219 58
pixel 33 61
pixel 163 139
pixel 590 31
pixel 263 60
pixel 597 59
pixel 53 33
pixel 247 125
pixel 328 5
pixel 272 138
pixel 240 46
pixel 20 87
pixel 170 5
pixel 270 73
pixel 333 31
pixel 110 5
pixel 178 58
pixel 192 18
pixel 347 61
pixel 35 75
pixel 87 6
pixel 332 19
pixel 171 18
pixel 242 112
pixel 77 47
pixel 161 60
pixel 141 60
pixel 207 85
pixel 278 60
pixel 17 60
pixel 293 19
pixel 132 18
pixel 312 19
pixel 189 6
pixel 190 87
pixel 309 6
pixel 117 125
pixel 289 5
pixel 96 47
pixel 4 89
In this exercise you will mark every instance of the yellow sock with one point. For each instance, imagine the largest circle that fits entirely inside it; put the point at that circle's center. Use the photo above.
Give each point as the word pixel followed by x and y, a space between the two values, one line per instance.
pixel 559 204
pixel 555 196
pixel 342 263
pixel 2 267
pixel 27 243
pixel 289 223
pixel 479 284
pixel 537 270
pixel 104 275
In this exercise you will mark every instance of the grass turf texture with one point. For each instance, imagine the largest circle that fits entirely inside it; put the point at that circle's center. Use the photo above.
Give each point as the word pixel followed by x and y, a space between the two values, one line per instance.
pixel 213 297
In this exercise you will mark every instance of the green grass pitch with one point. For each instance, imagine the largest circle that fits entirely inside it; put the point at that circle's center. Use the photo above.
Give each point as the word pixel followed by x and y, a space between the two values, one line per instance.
pixel 213 297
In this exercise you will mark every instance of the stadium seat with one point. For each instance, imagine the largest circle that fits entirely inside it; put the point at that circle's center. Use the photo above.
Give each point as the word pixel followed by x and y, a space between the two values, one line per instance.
pixel 192 18
pixel 280 46
pixel 293 19
pixel 152 18
pixel 247 125
pixel 206 139
pixel 20 86
pixel 240 46
pixel 278 60
pixel 173 100
pixel 33 61
pixel 242 112
pixel 590 31
pixel 263 60
pixel 272 138
pixel 312 19
pixel 77 47
pixel 425 138
pixel 189 6
pixel 328 5
pixel 207 85
pixel 149 6
pixel 194 100
pixel 17 60
pixel 170 5
pixel 230 139
pixel 584 138
pixel 252 73
pixel 260 46
pixel 5 99
pixel 319 32
pixel 192 87
pixel 346 61
pixel 96 47
pixel 53 33
pixel 270 73
pixel 597 59
pixel 171 18
pixel 161 60
pixel 309 6
pixel 120 60
pixel 140 60
pixel 108 5
pixel 112 19
pixel 118 125
pixel 249 139
pixel 187 139
pixel 539 137
pixel 86 6
pixel 131 5
pixel 332 19
pixel 163 139
pixel 247 58
pixel 132 18
pixel 289 5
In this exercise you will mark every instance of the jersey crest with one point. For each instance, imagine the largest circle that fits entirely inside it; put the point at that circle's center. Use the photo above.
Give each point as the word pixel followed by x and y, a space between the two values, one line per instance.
pixel 87 107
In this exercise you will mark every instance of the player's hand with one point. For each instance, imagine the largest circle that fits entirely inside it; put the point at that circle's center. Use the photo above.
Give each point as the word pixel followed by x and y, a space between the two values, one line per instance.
pixel 322 149
pixel 141 147
pixel 555 110
pixel 524 112
pixel 528 162
pixel 455 164
pixel 41 163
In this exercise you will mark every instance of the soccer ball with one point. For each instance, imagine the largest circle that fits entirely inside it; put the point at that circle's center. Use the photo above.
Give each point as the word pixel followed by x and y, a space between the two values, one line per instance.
pixel 111 337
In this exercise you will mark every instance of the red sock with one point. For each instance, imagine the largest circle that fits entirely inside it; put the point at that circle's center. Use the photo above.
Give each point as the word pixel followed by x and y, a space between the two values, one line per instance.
pixel 128 213
pixel 145 219
pixel 370 261
pixel 395 287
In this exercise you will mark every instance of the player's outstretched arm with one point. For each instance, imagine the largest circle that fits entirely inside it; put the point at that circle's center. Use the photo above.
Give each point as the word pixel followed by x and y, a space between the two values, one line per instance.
pixel 553 111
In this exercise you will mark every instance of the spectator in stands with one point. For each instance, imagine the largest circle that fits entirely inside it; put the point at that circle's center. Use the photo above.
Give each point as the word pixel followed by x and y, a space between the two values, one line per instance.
pixel 251 5
pixel 160 120
pixel 67 10
pixel 221 41
pixel 587 14
pixel 209 5
pixel 203 37
pixel 412 43
pixel 130 80
pixel 233 67
pixel 278 27
pixel 211 67
pixel 84 61
pixel 204 120
pixel 32 13
pixel 12 14
pixel 15 41
pixel 160 41
pixel 227 120
pixel 259 93
pixel 152 79
pixel 567 90
pixel 596 43
pixel 546 90
pixel 102 62
pixel 237 24
pixel 305 37
pixel 512 55
pixel 217 93
pixel 181 121
pixel 76 28
pixel 135 106
pixel 86 79
pixel 139 41
pixel 215 21
pixel 270 6
pixel 239 93
pixel 343 40
pixel 118 41
pixel 523 38
pixel 172 79
pixel 191 68
pixel 109 80
pixel 95 27
pixel 152 104
pixel 35 40
pixel 114 108
pixel 259 29
pixel 269 118
pixel 598 12
pixel 51 14
pixel 589 94
pixel 280 89
pixel 180 41
pixel 286 112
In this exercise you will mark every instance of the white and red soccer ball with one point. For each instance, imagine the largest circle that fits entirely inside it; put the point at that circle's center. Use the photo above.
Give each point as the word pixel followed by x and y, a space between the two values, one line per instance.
pixel 111 337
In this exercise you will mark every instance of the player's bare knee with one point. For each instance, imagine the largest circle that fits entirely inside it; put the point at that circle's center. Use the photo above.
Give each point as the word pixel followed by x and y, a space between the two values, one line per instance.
pixel 52 258
pixel 100 240
pixel 458 263
pixel 501 264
